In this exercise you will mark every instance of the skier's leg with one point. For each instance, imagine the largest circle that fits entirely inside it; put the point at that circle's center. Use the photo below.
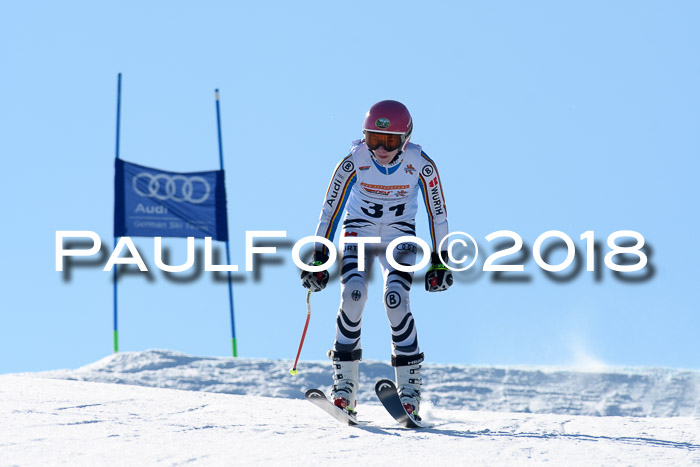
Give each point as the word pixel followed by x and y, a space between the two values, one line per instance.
pixel 347 351
pixel 397 286
pixel 353 296
pixel 406 355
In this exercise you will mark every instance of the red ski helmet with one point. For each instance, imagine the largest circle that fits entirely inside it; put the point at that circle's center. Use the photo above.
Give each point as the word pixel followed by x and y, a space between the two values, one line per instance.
pixel 388 124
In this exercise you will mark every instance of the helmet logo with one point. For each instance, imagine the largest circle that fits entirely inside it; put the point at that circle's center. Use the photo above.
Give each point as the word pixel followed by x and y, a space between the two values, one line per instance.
pixel 382 123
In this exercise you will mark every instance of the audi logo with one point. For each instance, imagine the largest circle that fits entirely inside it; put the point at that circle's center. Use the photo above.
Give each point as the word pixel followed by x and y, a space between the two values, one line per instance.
pixel 173 190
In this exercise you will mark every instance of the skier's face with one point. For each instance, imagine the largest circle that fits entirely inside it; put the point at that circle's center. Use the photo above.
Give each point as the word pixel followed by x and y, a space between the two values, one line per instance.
pixel 383 156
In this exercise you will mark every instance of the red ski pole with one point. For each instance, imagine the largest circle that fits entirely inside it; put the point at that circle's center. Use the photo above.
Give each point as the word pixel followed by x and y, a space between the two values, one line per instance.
pixel 294 371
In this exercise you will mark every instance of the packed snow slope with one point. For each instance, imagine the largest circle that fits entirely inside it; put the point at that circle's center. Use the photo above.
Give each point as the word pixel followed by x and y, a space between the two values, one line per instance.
pixel 222 416
pixel 617 392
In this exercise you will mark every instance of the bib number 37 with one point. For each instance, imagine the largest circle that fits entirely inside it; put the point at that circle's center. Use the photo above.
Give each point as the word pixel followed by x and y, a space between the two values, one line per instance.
pixel 376 210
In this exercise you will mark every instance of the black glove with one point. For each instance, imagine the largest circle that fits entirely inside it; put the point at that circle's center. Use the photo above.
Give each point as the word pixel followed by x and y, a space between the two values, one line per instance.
pixel 438 277
pixel 315 281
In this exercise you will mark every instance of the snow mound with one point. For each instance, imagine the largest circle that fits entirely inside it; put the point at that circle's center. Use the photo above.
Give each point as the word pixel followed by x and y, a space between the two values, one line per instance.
pixel 653 392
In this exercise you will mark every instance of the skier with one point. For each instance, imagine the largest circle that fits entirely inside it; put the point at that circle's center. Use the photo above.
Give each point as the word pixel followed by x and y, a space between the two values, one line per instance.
pixel 378 184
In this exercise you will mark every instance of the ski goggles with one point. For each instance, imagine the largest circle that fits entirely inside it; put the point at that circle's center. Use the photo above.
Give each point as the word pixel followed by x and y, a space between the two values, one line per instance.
pixel 389 141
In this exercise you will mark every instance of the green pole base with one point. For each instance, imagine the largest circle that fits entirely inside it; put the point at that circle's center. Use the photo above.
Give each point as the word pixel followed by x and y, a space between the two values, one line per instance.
pixel 234 347
pixel 116 341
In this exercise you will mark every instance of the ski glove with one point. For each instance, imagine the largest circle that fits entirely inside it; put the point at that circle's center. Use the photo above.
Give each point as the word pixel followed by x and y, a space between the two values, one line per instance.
pixel 315 281
pixel 438 277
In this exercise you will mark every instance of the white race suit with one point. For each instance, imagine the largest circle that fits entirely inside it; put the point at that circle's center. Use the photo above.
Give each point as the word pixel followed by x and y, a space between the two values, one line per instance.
pixel 381 201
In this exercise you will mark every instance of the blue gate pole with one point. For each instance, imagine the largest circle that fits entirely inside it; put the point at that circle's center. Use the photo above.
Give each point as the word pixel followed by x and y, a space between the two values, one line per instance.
pixel 228 254
pixel 114 273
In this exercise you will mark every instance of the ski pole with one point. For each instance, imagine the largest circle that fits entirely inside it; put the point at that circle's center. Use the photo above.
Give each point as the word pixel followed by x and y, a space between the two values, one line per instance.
pixel 294 371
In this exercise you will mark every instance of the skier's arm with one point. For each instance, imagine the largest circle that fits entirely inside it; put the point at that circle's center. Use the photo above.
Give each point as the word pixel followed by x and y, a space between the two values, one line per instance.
pixel 438 277
pixel 333 204
pixel 434 199
pixel 337 194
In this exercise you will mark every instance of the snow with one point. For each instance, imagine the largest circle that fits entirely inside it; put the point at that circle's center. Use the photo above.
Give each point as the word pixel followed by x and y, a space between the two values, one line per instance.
pixel 162 407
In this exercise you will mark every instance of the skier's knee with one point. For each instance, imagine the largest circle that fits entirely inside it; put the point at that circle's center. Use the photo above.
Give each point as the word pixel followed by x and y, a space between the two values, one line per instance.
pixel 395 298
pixel 354 295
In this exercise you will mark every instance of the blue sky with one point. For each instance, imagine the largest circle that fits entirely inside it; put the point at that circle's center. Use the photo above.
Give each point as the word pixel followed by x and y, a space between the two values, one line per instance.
pixel 540 116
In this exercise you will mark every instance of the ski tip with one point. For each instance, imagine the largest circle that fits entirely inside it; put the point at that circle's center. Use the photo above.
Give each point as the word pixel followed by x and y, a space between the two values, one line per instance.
pixel 314 393
pixel 384 384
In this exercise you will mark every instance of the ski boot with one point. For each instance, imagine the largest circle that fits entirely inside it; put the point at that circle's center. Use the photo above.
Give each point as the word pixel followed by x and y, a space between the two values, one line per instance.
pixel 345 379
pixel 408 381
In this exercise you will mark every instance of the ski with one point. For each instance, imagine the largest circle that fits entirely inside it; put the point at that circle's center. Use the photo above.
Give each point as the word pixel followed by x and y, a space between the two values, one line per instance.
pixel 389 397
pixel 319 399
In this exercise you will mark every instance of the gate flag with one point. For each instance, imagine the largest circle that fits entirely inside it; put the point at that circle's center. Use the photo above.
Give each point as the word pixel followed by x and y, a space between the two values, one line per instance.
pixel 151 202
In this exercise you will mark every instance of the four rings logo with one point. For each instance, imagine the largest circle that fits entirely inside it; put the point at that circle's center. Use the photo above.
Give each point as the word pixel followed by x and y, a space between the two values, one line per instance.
pixel 175 187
